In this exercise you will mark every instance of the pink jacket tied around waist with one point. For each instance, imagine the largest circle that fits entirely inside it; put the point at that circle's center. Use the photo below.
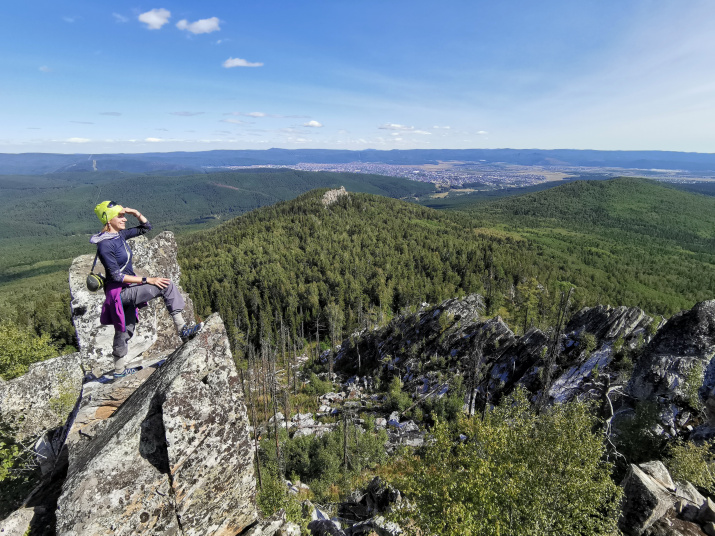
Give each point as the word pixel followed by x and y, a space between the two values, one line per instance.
pixel 112 309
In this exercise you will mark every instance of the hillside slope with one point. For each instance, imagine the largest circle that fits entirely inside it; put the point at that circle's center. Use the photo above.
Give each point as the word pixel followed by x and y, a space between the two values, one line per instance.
pixel 47 220
pixel 51 217
pixel 630 241
pixel 619 242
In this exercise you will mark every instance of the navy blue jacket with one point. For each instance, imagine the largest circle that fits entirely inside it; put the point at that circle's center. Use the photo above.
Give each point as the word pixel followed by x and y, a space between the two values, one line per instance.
pixel 115 254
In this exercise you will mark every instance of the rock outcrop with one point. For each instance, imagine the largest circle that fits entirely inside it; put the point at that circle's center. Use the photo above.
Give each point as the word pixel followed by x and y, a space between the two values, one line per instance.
pixel 331 196
pixel 451 336
pixel 646 501
pixel 155 335
pixel 677 369
pixel 653 505
pixel 686 341
pixel 175 458
pixel 42 398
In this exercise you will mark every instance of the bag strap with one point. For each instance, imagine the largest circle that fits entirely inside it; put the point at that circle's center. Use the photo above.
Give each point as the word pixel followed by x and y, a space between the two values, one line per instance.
pixel 95 262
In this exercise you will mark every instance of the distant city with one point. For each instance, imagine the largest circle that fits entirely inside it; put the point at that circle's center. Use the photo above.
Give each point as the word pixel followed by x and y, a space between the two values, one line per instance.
pixel 483 174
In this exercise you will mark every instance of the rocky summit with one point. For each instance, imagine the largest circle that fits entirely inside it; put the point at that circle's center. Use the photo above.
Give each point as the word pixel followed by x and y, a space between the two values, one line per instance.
pixel 163 451
pixel 175 458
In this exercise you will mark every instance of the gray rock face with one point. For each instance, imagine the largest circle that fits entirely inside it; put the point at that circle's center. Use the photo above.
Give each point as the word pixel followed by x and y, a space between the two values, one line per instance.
pixel 17 523
pixel 450 336
pixel 43 398
pixel 686 341
pixel 659 472
pixel 175 458
pixel 608 324
pixel 155 335
pixel 645 502
pixel 276 525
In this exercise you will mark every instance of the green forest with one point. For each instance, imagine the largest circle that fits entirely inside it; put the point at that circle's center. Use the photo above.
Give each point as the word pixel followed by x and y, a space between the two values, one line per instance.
pixel 46 221
pixel 297 276
pixel 627 241
pixel 619 242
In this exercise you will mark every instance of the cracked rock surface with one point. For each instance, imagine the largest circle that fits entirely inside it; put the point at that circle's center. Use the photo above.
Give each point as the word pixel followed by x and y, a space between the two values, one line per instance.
pixel 175 458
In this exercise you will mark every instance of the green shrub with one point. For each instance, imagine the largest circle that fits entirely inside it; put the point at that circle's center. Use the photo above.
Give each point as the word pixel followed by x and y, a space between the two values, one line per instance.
pixel 587 342
pixel 693 381
pixel 518 472
pixel 635 436
pixel 317 387
pixel 319 461
pixel 397 399
pixel 693 463
pixel 19 348
pixel 446 408
pixel 274 495
pixel 63 404
pixel 18 472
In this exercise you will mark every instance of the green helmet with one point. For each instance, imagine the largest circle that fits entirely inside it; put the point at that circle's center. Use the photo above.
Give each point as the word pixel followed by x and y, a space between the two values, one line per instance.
pixel 108 210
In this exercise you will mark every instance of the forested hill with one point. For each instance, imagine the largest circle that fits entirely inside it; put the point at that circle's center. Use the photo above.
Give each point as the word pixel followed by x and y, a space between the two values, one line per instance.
pixel 619 242
pixel 51 217
pixel 640 242
pixel 45 221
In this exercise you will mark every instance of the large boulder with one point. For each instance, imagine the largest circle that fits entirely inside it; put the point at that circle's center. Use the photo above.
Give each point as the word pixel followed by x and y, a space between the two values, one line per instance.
pixel 175 458
pixel 676 357
pixel 645 501
pixel 43 398
pixel 155 335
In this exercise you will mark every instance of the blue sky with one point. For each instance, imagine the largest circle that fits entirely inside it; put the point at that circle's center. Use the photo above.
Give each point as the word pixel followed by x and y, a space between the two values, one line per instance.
pixel 101 77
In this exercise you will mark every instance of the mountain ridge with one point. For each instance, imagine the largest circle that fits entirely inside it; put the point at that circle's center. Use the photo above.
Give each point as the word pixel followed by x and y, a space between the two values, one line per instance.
pixel 40 163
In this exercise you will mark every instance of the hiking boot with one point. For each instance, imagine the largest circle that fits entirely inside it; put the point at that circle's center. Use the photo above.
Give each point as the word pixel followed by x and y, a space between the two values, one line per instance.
pixel 188 332
pixel 126 372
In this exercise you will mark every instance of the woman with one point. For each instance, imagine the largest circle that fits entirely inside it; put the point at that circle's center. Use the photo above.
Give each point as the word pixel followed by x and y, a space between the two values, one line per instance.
pixel 125 291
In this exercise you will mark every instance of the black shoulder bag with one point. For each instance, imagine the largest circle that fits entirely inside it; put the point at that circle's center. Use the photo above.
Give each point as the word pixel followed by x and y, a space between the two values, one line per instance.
pixel 95 281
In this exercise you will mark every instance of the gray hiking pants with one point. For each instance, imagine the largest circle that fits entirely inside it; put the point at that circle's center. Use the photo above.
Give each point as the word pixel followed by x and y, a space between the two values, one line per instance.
pixel 131 297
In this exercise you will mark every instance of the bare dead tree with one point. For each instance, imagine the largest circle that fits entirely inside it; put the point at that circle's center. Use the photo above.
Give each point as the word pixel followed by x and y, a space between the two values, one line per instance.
pixel 475 360
pixel 252 387
pixel 553 351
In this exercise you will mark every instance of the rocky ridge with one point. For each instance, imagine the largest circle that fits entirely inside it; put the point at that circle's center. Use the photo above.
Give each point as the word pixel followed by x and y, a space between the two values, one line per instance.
pixel 165 450
pixel 597 349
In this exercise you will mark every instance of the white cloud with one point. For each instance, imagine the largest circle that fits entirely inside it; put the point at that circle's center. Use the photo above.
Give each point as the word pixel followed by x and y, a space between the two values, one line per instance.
pixel 256 114
pixel 395 126
pixel 153 140
pixel 186 114
pixel 69 19
pixel 45 69
pixel 120 18
pixel 78 140
pixel 444 128
pixel 200 26
pixel 233 121
pixel 312 124
pixel 423 132
pixel 482 132
pixel 238 62
pixel 156 18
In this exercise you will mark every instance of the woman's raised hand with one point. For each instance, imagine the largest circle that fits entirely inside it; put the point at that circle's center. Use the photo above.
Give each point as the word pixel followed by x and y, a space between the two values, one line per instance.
pixel 134 212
